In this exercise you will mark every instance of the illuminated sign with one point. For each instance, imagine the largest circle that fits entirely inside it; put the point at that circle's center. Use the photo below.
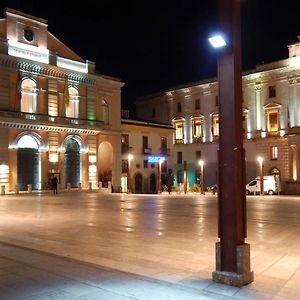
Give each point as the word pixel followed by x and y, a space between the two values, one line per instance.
pixel 155 159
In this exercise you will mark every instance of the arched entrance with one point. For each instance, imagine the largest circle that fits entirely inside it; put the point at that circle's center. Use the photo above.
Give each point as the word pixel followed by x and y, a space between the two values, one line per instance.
pixel 138 183
pixel 152 183
pixel 28 163
pixel 105 160
pixel 72 163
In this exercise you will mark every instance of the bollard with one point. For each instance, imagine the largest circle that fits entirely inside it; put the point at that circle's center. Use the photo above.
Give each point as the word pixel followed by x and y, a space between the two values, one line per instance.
pixel 90 186
pixel 68 186
pixel 79 186
pixel 2 189
pixel 16 189
pixel 29 188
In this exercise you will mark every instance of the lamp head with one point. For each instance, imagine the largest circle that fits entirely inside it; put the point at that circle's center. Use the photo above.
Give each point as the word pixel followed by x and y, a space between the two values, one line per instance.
pixel 201 163
pixel 260 159
pixel 217 41
pixel 130 157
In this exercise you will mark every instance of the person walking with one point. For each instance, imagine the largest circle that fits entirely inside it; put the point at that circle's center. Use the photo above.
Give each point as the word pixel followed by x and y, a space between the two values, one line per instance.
pixel 54 182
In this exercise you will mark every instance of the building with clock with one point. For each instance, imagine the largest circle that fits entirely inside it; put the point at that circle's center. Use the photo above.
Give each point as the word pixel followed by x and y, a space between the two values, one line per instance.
pixel 271 118
pixel 58 116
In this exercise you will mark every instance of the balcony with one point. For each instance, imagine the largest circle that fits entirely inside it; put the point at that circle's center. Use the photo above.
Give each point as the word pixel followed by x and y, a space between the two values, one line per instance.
pixel 46 120
pixel 165 151
pixel 146 151
pixel 197 139
pixel 178 141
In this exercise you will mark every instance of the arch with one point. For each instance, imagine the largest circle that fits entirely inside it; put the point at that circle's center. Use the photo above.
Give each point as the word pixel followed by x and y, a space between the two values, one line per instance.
pixel 105 162
pixel 152 183
pixel 72 163
pixel 274 171
pixel 78 139
pixel 20 140
pixel 28 160
pixel 28 95
pixel 138 183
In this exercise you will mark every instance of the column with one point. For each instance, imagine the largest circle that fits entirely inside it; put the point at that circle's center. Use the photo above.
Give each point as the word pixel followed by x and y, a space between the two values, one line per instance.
pixel 258 106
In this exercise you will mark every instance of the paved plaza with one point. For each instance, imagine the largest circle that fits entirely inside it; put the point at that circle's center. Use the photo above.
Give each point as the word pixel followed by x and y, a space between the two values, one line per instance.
pixel 87 245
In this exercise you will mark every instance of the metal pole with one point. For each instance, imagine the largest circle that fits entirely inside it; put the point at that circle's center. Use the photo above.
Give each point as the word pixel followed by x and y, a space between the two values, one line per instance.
pixel 261 172
pixel 232 254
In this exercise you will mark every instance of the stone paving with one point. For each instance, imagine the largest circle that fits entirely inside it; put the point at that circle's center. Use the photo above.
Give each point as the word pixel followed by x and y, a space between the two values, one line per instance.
pixel 140 247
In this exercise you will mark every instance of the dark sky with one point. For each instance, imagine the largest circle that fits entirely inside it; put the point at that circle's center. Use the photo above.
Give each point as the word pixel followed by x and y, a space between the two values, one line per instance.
pixel 154 45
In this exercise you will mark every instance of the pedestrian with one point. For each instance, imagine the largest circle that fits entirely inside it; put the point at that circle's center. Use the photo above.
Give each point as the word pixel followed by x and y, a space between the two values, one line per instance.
pixel 54 182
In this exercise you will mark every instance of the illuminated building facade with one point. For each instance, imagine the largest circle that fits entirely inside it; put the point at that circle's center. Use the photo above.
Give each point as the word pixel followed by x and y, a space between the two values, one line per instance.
pixel 57 115
pixel 146 155
pixel 271 118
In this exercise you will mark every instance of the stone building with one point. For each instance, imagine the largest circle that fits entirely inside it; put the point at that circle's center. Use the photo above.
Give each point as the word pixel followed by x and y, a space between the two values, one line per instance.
pixel 58 116
pixel 146 155
pixel 271 118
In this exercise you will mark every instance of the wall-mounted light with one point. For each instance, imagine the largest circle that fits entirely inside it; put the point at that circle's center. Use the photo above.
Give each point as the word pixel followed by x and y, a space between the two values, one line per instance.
pixel 53 157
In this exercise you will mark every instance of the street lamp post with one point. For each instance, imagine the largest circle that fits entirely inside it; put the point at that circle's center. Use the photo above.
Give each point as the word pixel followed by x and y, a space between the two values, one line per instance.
pixel 261 175
pixel 160 161
pixel 201 164
pixel 232 253
pixel 129 187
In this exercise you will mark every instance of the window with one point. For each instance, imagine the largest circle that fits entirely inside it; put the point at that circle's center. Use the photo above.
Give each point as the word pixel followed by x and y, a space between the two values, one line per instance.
pixel 197 104
pixel 163 145
pixel 179 131
pixel 72 107
pixel 28 96
pixel 274 152
pixel 217 100
pixel 104 112
pixel 179 157
pixel 198 155
pixel 179 107
pixel 124 165
pixel 272 91
pixel 215 125
pixel 272 121
pixel 197 128
pixel 145 163
pixel 145 144
pixel 125 143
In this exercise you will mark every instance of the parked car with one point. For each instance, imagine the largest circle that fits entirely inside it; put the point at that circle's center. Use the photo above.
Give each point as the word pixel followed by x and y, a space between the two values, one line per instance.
pixel 271 185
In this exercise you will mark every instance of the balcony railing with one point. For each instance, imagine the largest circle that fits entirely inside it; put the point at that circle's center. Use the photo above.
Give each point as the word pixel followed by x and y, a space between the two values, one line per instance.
pixel 178 141
pixel 50 120
pixel 165 151
pixel 126 149
pixel 146 150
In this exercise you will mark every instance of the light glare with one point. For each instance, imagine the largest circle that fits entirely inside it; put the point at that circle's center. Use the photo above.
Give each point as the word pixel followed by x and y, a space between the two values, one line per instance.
pixel 217 41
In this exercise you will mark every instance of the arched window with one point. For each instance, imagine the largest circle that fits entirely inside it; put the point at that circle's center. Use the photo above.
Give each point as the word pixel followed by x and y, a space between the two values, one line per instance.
pixel 272 113
pixel 104 115
pixel 72 107
pixel 28 96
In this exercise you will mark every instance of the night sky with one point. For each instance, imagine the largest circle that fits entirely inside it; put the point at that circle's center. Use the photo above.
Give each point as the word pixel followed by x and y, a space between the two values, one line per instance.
pixel 156 45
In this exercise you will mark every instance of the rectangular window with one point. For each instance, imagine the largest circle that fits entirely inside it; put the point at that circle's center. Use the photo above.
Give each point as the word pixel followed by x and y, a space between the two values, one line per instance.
pixel 146 163
pixel 125 143
pixel 272 121
pixel 217 100
pixel 272 91
pixel 215 125
pixel 145 142
pixel 179 157
pixel 197 104
pixel 198 155
pixel 124 166
pixel 274 152
pixel 197 128
pixel 163 145
pixel 179 107
pixel 179 131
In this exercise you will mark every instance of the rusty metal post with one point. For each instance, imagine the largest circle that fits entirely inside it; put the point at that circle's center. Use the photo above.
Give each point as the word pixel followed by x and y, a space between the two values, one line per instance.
pixel 185 179
pixel 232 253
